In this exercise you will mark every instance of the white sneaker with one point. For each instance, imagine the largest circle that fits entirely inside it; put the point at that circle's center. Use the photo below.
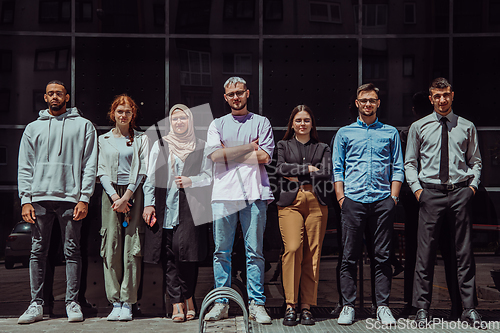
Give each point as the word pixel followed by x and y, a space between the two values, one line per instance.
pixel 32 314
pixel 258 313
pixel 74 312
pixel 218 312
pixel 384 315
pixel 346 317
pixel 115 313
pixel 126 312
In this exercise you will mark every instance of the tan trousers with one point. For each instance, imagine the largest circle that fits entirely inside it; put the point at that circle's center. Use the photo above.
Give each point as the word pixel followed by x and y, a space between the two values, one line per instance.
pixel 121 248
pixel 302 226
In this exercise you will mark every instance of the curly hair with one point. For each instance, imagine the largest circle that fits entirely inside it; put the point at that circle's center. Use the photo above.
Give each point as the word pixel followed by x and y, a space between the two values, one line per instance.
pixel 121 100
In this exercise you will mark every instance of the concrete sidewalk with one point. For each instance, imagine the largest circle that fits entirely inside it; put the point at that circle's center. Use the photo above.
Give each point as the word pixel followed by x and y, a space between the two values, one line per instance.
pixel 235 324
pixel 14 299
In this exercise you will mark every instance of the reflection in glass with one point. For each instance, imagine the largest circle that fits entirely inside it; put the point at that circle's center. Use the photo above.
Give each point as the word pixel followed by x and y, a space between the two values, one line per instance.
pixel 52 59
pixel 315 72
pixel 111 66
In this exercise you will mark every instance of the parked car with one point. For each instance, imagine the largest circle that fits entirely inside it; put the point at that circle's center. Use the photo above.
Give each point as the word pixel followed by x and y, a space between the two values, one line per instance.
pixel 18 245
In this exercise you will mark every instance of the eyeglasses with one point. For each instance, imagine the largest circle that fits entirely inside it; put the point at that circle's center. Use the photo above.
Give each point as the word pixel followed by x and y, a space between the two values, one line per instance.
pixel 239 93
pixel 371 100
pixel 58 93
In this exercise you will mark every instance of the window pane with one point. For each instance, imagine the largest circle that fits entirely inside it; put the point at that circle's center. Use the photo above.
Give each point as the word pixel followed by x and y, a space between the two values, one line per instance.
pixel 409 13
pixel 335 13
pixel 319 12
pixel 194 62
pixel 46 60
pixel 50 11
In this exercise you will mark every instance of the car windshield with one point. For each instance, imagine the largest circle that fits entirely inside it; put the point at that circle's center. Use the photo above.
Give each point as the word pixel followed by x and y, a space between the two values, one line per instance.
pixel 22 228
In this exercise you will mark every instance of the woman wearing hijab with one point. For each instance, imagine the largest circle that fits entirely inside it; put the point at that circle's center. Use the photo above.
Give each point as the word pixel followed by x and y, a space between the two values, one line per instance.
pixel 177 198
pixel 305 165
pixel 123 156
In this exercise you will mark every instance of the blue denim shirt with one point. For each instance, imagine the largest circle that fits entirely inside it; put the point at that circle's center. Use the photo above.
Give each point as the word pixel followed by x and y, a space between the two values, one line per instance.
pixel 367 158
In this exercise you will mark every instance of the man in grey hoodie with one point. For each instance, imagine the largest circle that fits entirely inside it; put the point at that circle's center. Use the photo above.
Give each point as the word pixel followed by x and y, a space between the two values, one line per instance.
pixel 56 178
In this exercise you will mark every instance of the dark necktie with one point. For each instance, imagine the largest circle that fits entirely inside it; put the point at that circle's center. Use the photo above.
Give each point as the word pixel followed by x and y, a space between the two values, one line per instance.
pixel 444 170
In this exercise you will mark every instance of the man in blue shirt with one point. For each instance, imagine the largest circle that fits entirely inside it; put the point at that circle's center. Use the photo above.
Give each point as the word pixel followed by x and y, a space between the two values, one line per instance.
pixel 368 173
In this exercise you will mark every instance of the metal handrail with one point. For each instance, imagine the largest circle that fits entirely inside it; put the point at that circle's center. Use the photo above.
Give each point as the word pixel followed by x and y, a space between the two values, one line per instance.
pixel 223 292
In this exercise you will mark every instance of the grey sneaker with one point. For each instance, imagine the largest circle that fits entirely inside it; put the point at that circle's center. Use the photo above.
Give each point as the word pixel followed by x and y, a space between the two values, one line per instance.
pixel 115 313
pixel 384 315
pixel 346 317
pixel 32 314
pixel 218 312
pixel 126 313
pixel 258 313
pixel 74 312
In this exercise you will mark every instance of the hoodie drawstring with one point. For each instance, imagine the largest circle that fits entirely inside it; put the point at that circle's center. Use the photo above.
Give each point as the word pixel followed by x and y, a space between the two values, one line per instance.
pixel 62 138
pixel 62 134
pixel 48 140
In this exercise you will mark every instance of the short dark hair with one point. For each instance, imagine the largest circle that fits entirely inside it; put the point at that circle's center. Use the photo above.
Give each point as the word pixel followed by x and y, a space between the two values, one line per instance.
pixel 439 83
pixel 59 83
pixel 367 87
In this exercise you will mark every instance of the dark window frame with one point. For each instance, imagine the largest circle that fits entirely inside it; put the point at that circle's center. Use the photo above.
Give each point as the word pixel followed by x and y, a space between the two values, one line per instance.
pixel 8 6
pixel 329 5
pixel 235 16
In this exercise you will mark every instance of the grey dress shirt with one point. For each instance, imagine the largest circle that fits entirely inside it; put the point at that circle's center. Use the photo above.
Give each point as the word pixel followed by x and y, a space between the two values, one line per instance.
pixel 423 151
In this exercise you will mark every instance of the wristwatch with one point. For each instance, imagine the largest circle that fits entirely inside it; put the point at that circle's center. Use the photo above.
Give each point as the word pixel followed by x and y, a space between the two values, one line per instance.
pixel 395 198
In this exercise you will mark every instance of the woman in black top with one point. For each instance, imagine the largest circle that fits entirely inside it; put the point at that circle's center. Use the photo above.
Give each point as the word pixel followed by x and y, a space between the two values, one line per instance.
pixel 305 165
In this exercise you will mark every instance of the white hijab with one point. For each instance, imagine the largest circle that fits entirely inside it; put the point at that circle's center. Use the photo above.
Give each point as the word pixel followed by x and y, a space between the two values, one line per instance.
pixel 181 145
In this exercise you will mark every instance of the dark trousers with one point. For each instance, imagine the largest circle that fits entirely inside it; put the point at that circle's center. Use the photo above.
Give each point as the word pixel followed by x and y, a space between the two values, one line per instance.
pixel 46 213
pixel 438 208
pixel 378 218
pixel 411 206
pixel 180 277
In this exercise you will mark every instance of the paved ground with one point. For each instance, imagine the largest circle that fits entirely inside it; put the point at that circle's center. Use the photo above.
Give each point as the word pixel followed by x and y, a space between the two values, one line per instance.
pixel 14 298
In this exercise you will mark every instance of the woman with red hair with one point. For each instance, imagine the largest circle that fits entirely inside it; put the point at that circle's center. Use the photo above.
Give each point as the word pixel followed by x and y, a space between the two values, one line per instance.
pixel 123 155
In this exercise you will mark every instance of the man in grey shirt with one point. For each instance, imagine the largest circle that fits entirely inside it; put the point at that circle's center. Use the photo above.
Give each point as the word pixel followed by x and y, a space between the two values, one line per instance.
pixel 446 148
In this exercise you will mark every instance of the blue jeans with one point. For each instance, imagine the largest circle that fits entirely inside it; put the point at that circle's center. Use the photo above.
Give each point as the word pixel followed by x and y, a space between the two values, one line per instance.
pixel 46 212
pixel 253 223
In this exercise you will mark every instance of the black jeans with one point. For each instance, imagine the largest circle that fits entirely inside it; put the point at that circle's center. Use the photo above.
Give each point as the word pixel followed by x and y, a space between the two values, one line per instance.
pixel 180 277
pixel 437 208
pixel 378 219
pixel 46 213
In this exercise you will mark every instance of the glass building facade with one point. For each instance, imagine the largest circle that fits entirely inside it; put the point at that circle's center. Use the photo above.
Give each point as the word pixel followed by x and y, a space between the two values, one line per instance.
pixel 313 52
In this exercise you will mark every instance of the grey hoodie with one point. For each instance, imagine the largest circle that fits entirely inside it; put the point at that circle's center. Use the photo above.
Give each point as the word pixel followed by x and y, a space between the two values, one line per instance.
pixel 57 158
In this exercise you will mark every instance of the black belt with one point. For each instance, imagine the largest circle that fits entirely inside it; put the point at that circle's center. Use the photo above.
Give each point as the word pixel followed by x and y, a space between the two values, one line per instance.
pixel 445 187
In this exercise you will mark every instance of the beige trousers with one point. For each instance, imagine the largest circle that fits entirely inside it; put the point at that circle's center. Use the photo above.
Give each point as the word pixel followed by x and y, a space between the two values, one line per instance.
pixel 302 226
pixel 121 248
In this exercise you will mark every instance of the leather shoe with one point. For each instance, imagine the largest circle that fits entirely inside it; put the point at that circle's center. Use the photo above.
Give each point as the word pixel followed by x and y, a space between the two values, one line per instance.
pixel 336 311
pixel 422 318
pixel 290 318
pixel 306 317
pixel 472 317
